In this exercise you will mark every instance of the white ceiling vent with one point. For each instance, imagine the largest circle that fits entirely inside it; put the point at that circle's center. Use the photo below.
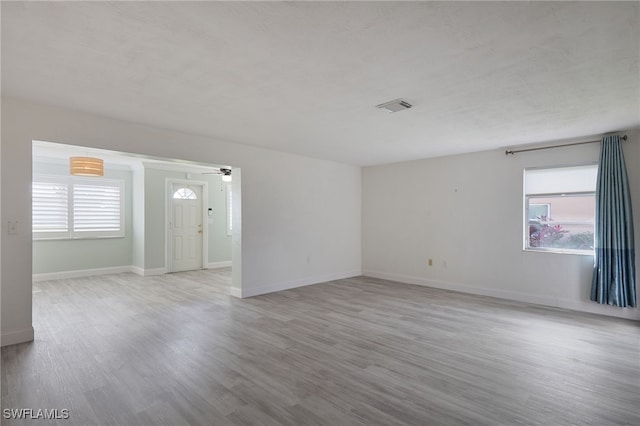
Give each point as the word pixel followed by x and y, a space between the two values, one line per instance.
pixel 394 105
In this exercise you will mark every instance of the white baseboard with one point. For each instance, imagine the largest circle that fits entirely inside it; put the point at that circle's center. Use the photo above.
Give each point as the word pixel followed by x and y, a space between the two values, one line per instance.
pixel 235 292
pixel 16 337
pixel 216 265
pixel 582 306
pixel 81 273
pixel 298 283
pixel 597 308
pixel 152 272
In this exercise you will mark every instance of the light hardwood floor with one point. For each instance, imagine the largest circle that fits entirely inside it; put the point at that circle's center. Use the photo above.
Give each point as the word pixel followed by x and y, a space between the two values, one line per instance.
pixel 176 349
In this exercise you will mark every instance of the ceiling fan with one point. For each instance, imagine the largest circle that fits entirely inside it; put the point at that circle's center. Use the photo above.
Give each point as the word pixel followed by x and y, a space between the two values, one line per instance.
pixel 225 172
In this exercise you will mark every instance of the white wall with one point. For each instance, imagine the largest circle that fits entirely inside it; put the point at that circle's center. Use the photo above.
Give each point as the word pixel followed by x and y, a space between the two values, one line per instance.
pixel 467 210
pixel 137 222
pixel 219 241
pixel 300 216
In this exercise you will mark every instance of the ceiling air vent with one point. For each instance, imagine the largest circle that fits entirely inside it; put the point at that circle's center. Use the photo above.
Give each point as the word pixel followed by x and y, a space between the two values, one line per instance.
pixel 394 105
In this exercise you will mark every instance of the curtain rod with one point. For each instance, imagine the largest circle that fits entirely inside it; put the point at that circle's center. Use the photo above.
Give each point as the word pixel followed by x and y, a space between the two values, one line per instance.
pixel 508 152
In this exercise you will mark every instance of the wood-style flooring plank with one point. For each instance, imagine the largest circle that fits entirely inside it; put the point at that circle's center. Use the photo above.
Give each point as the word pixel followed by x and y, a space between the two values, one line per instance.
pixel 178 350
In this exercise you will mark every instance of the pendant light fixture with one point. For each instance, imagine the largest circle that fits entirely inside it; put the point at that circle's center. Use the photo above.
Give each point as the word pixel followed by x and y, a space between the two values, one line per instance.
pixel 86 166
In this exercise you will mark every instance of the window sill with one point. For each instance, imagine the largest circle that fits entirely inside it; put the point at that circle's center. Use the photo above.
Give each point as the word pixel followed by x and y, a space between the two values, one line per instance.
pixel 560 251
pixel 110 237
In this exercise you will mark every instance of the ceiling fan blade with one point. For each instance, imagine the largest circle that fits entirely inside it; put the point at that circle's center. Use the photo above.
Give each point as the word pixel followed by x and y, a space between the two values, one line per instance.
pixel 220 171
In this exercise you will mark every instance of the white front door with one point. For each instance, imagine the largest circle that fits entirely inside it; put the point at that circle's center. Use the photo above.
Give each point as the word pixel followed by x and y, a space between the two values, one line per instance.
pixel 186 227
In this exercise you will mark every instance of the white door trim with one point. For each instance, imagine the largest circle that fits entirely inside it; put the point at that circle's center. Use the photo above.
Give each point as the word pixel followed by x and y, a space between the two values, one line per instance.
pixel 168 240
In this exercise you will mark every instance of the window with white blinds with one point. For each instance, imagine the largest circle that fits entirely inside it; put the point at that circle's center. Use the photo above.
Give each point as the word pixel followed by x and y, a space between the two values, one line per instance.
pixel 97 209
pixel 73 207
pixel 50 208
pixel 229 210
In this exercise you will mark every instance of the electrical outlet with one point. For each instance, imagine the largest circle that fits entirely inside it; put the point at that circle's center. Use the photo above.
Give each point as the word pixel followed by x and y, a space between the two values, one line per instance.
pixel 430 262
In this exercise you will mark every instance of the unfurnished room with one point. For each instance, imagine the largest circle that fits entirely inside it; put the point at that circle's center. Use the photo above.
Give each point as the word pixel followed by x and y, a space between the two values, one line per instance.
pixel 320 213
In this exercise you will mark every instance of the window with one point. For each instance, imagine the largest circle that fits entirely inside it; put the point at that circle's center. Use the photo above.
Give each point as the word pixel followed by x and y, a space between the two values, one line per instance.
pixel 539 210
pixel 185 194
pixel 559 206
pixel 73 207
pixel 229 210
pixel 50 207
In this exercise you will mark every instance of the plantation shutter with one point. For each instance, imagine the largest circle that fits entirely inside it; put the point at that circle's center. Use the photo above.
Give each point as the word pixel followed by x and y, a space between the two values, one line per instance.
pixel 65 207
pixel 50 208
pixel 97 208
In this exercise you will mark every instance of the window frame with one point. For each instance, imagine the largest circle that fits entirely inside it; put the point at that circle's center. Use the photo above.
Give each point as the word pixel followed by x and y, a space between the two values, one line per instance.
pixel 71 233
pixel 525 212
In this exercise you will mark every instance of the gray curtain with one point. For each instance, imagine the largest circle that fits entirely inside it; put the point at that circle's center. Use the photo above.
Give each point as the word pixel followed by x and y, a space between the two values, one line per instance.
pixel 614 273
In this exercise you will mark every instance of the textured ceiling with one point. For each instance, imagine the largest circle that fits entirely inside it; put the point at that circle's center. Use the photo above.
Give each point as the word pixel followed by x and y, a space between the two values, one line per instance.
pixel 304 77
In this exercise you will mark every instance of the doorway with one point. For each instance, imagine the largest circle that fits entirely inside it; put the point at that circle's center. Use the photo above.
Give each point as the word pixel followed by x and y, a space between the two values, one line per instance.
pixel 186 234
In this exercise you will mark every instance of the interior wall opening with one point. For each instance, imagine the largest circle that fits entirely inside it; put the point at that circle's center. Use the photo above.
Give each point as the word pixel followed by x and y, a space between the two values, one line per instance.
pixel 124 219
